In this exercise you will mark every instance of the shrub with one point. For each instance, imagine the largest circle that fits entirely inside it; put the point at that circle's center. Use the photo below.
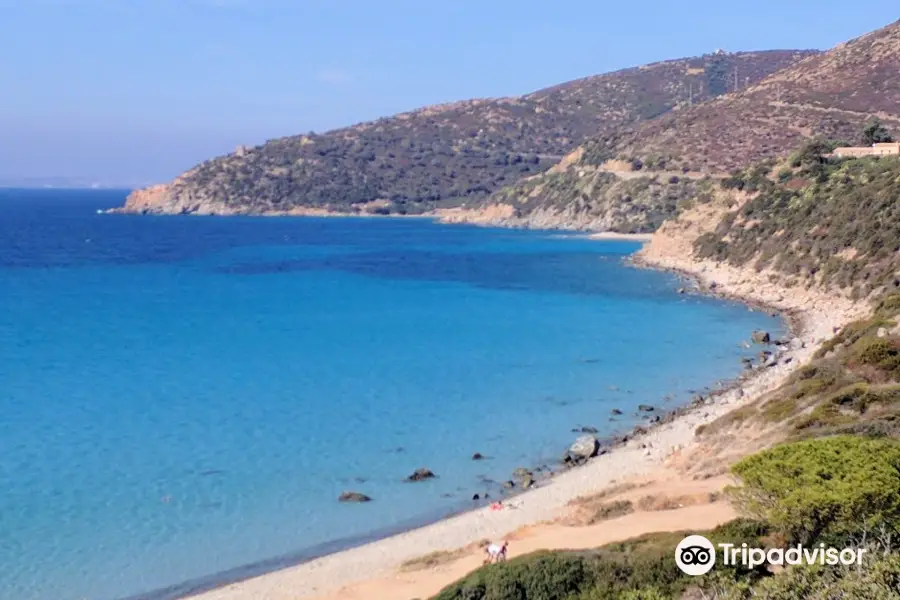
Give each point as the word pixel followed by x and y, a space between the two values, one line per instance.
pixel 648 594
pixel 544 575
pixel 875 132
pixel 611 510
pixel 834 485
pixel 888 306
pixel 879 579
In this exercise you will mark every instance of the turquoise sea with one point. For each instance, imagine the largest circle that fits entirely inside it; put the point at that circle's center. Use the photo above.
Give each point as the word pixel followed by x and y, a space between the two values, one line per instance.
pixel 182 399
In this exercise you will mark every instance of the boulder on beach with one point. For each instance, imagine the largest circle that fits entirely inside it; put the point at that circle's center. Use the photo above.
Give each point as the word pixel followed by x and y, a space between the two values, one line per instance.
pixel 760 337
pixel 353 497
pixel 645 408
pixel 421 475
pixel 584 447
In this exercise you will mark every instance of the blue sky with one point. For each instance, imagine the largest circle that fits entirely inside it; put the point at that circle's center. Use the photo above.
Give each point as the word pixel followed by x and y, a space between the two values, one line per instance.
pixel 135 91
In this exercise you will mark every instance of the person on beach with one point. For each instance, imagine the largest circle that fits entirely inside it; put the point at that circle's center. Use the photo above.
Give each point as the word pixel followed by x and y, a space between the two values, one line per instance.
pixel 496 553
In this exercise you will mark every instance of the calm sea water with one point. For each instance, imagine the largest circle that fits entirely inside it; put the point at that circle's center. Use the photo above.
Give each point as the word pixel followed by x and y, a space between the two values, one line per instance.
pixel 183 396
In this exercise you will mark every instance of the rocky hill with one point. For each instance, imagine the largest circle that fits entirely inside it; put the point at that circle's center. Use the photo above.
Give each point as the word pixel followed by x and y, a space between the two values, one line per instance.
pixel 813 223
pixel 830 95
pixel 442 156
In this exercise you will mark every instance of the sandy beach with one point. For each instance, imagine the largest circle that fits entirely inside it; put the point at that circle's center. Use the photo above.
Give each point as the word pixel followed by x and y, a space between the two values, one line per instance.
pixel 536 519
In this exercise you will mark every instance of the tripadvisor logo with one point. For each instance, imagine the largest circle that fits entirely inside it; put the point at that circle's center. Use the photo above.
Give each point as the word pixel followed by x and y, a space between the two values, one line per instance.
pixel 696 555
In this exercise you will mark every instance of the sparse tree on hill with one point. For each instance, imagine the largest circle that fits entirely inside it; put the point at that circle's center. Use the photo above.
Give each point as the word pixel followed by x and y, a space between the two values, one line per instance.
pixel 875 133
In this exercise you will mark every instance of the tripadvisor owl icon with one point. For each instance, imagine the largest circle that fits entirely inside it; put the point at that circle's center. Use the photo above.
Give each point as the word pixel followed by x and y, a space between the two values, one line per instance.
pixel 695 555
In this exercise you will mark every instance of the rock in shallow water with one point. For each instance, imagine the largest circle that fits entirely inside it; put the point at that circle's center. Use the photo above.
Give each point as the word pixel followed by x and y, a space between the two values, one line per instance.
pixel 760 337
pixel 421 475
pixel 353 497
pixel 585 429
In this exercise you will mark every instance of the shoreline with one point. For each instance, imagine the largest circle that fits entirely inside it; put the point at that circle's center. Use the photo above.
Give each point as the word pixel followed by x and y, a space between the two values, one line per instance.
pixel 439 217
pixel 637 456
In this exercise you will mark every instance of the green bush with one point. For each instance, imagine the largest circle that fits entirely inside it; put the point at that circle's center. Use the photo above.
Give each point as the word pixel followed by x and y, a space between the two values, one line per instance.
pixel 879 579
pixel 828 223
pixel 540 576
pixel 648 594
pixel 836 485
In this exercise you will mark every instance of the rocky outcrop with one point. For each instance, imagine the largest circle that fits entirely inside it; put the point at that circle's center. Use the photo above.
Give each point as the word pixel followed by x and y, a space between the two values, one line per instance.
pixel 583 448
pixel 353 497
pixel 421 475
pixel 581 199
pixel 761 337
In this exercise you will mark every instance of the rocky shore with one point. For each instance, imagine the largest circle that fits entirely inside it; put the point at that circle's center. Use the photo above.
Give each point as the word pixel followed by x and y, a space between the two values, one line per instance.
pixel 644 452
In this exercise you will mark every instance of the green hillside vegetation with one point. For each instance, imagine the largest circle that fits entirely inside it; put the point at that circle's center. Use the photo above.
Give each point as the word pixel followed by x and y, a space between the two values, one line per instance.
pixel 823 221
pixel 849 497
pixel 609 202
pixel 440 156
pixel 831 95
